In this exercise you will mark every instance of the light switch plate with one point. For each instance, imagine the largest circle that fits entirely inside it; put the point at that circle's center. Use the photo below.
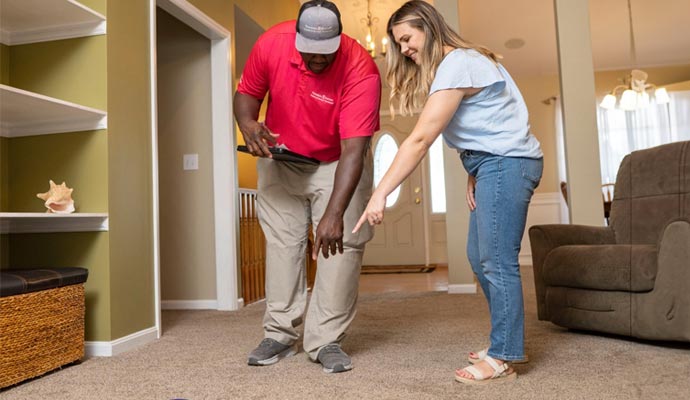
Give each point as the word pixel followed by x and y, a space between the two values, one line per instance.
pixel 190 162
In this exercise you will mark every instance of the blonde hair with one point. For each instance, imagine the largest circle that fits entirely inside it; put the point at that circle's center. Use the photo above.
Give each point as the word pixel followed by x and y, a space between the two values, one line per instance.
pixel 410 83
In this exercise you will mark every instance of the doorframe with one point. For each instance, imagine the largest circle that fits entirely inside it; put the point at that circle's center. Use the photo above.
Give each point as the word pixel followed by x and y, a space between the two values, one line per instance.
pixel 223 141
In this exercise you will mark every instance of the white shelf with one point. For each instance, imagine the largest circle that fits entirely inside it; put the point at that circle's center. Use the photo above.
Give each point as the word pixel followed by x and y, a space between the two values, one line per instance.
pixel 31 21
pixel 26 114
pixel 44 222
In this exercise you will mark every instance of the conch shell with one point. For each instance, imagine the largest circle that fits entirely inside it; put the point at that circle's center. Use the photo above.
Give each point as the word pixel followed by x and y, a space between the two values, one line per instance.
pixel 58 199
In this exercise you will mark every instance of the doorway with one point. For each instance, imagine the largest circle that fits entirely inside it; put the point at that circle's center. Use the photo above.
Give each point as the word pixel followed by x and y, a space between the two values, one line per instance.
pixel 194 167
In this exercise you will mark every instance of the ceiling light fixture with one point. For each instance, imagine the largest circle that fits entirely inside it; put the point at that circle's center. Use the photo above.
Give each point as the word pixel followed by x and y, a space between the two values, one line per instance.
pixel 370 45
pixel 634 90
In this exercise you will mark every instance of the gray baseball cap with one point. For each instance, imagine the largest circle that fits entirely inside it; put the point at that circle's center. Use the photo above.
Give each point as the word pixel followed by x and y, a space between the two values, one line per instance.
pixel 318 28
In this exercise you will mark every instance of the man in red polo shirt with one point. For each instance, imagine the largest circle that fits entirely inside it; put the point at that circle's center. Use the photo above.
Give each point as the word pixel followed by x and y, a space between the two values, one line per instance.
pixel 324 94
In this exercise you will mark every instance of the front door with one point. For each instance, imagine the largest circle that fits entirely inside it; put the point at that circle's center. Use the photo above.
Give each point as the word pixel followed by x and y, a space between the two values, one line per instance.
pixel 400 238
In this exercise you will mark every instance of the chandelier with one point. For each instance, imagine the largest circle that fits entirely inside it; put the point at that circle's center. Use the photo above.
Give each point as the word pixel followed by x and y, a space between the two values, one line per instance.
pixel 635 91
pixel 370 44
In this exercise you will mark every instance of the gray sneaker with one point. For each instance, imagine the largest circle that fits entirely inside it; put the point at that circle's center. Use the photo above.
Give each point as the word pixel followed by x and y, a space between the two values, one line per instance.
pixel 333 359
pixel 270 352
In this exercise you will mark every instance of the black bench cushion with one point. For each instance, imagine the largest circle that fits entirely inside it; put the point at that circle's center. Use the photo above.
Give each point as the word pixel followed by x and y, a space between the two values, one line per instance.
pixel 20 281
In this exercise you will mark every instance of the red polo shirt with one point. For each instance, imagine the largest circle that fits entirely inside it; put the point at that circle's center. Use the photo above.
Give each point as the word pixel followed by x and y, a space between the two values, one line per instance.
pixel 313 112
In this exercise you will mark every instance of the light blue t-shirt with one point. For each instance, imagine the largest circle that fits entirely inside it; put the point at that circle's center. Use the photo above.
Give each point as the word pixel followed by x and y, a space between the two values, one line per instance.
pixel 494 120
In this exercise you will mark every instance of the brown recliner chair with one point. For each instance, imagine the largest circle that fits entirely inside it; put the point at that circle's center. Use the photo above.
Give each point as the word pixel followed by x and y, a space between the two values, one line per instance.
pixel 633 277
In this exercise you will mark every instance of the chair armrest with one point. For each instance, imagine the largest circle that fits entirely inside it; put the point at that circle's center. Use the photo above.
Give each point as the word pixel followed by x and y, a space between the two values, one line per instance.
pixel 673 251
pixel 664 313
pixel 562 235
pixel 544 238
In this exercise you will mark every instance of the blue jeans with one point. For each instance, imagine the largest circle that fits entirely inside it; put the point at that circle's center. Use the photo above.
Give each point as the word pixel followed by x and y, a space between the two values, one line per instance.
pixel 502 194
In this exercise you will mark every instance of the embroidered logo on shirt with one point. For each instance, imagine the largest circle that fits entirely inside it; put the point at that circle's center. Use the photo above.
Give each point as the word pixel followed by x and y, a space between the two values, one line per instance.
pixel 322 97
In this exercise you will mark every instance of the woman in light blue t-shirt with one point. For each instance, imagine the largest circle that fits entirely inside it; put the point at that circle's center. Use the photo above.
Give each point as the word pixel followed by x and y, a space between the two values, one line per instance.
pixel 471 99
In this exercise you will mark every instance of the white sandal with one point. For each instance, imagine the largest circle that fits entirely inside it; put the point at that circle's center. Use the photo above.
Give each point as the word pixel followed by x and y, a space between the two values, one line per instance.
pixel 500 374
pixel 481 354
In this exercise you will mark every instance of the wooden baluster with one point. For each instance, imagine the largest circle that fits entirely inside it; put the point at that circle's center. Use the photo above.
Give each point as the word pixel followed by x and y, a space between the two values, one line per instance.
pixel 243 247
pixel 255 267
pixel 258 282
pixel 252 241
pixel 261 248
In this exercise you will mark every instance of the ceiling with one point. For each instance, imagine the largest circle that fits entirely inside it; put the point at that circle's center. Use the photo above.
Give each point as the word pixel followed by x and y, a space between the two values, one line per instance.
pixel 661 29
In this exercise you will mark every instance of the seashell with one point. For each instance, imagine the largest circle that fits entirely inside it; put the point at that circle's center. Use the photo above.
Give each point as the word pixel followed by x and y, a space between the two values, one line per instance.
pixel 58 199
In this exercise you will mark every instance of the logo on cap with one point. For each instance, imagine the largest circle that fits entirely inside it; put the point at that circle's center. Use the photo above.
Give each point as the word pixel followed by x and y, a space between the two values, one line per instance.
pixel 318 28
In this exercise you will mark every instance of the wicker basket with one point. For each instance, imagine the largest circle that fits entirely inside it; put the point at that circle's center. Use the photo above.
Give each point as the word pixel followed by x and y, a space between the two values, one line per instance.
pixel 40 331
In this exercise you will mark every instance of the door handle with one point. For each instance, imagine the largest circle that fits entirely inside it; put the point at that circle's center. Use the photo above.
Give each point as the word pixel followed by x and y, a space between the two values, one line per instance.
pixel 417 189
pixel 417 200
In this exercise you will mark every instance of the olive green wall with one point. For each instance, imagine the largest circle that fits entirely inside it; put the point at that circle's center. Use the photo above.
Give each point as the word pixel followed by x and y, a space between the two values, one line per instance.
pixel 129 168
pixel 4 64
pixel 98 6
pixel 77 158
pixel 72 70
pixel 4 173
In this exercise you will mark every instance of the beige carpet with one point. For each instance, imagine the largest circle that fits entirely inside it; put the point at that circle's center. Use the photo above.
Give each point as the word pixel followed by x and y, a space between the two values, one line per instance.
pixel 404 345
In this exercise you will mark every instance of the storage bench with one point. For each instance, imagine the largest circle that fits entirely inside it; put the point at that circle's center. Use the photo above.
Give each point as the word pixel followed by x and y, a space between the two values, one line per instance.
pixel 41 321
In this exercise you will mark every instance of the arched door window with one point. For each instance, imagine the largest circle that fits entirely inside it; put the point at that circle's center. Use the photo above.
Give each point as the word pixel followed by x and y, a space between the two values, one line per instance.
pixel 384 152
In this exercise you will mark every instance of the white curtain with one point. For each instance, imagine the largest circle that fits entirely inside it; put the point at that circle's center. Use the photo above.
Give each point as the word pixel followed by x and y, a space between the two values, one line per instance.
pixel 680 115
pixel 622 132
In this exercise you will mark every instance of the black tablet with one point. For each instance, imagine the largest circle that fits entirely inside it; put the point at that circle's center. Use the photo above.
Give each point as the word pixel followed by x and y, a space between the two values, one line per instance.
pixel 282 154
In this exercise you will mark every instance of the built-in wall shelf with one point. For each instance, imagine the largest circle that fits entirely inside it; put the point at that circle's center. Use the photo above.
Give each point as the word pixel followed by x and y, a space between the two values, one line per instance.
pixel 31 21
pixel 14 222
pixel 26 114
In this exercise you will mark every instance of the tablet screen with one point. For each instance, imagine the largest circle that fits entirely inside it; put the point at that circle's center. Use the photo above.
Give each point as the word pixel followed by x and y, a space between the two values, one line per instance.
pixel 282 154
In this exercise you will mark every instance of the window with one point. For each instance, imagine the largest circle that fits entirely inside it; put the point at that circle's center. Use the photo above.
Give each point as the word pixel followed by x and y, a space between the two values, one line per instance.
pixel 384 152
pixel 436 175
pixel 622 132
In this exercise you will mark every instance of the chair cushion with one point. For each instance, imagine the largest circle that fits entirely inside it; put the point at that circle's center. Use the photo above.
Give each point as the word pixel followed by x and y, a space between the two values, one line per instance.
pixel 20 281
pixel 630 268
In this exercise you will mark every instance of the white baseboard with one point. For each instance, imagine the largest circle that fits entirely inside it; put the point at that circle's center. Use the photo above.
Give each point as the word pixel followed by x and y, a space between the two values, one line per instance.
pixel 466 288
pixel 189 305
pixel 121 345
pixel 195 304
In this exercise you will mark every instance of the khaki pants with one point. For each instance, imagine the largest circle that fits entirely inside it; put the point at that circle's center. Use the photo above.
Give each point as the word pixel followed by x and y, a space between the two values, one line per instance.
pixel 290 197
